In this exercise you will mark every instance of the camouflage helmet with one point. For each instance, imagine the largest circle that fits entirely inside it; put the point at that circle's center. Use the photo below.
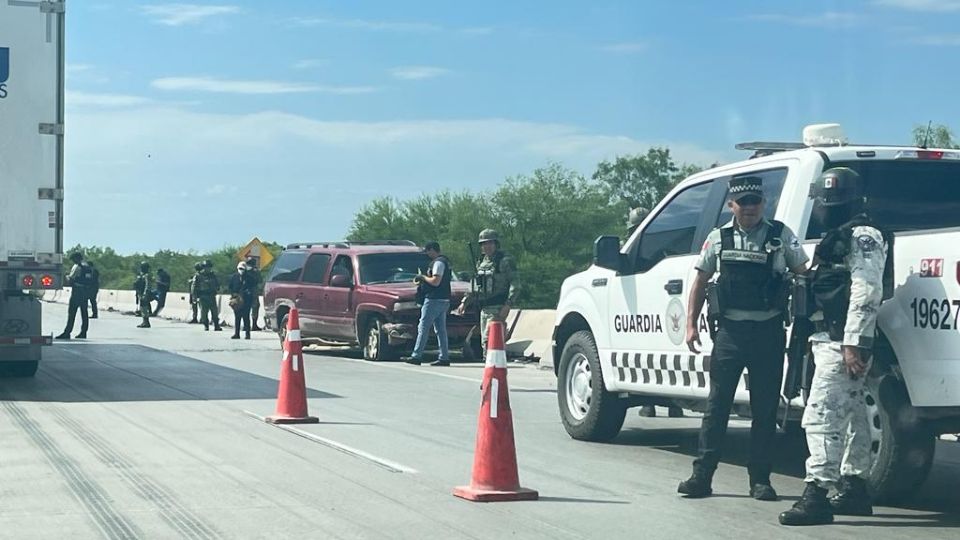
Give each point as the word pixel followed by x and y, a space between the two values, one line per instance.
pixel 251 262
pixel 76 257
pixel 836 187
pixel 636 215
pixel 208 263
pixel 198 266
pixel 144 266
pixel 488 235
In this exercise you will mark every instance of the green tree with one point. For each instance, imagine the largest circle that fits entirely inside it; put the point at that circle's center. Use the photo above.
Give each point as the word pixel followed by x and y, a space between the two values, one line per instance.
pixel 936 136
pixel 642 180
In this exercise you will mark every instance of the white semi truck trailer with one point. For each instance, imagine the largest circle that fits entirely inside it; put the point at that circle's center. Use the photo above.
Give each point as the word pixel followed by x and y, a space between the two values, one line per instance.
pixel 31 175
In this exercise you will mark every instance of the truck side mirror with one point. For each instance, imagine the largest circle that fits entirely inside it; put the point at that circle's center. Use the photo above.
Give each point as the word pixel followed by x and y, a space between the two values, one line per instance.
pixel 606 253
pixel 341 280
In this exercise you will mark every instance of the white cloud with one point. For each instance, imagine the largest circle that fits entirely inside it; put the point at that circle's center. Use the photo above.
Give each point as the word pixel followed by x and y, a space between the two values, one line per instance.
pixel 79 99
pixel 77 68
pixel 829 19
pixel 372 25
pixel 942 40
pixel 309 63
pixel 931 6
pixel 417 72
pixel 224 86
pixel 625 48
pixel 180 14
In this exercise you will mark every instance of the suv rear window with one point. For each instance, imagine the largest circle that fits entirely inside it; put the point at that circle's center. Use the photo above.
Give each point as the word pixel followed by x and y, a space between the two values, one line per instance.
pixel 288 266
pixel 907 195
pixel 391 267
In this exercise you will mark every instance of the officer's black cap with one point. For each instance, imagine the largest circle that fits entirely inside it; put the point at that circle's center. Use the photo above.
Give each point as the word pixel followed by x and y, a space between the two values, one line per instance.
pixel 741 186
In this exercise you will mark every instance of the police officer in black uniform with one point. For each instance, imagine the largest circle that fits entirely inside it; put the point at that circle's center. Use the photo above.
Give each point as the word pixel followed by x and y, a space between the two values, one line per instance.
pixel 746 304
pixel 79 278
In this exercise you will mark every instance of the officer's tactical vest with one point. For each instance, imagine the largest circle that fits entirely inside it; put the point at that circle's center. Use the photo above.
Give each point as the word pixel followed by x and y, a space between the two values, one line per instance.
pixel 206 283
pixel 830 287
pixel 488 283
pixel 747 279
pixel 442 290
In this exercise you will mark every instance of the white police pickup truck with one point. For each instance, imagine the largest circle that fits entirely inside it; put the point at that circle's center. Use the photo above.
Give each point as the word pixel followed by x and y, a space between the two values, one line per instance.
pixel 620 327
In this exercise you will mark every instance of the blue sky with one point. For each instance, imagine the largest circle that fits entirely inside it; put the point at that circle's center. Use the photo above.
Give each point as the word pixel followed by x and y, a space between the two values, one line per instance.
pixel 195 125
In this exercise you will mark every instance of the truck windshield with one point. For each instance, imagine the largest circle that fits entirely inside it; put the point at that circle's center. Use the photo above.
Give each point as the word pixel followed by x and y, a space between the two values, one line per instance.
pixel 907 195
pixel 391 267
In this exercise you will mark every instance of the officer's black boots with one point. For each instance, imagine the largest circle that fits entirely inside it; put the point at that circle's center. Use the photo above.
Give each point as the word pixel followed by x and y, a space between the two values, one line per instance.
pixel 65 335
pixel 763 491
pixel 813 508
pixel 81 335
pixel 852 498
pixel 697 486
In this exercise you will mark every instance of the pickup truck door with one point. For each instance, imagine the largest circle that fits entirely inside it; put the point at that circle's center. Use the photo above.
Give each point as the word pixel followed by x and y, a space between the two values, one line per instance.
pixel 647 302
pixel 337 316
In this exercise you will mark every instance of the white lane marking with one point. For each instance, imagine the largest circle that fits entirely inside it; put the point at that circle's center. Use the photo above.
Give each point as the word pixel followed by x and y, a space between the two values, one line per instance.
pixel 387 464
pixel 494 396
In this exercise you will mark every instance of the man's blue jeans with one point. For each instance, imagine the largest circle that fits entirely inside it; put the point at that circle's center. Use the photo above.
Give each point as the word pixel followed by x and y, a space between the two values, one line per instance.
pixel 433 314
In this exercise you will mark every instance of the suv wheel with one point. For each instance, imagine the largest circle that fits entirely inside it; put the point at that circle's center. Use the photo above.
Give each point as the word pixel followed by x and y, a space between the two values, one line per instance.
pixel 282 329
pixel 587 410
pixel 375 344
pixel 901 446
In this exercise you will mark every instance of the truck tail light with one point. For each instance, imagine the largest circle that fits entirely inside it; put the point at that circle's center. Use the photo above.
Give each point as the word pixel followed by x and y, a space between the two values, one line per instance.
pixel 27 281
pixel 927 154
pixel 46 281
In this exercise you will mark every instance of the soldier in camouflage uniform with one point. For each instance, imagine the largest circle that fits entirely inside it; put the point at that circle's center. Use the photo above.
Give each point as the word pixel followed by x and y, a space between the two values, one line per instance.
pixel 494 287
pixel 848 290
pixel 205 287
pixel 197 267
pixel 144 289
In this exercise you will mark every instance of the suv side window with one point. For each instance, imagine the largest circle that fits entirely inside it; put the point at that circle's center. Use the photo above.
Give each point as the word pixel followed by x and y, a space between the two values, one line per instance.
pixel 342 266
pixel 288 266
pixel 673 230
pixel 316 268
pixel 773 180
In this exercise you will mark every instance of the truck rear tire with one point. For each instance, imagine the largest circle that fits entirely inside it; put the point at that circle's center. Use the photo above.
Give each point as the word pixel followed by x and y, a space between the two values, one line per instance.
pixel 588 411
pixel 902 446
pixel 19 368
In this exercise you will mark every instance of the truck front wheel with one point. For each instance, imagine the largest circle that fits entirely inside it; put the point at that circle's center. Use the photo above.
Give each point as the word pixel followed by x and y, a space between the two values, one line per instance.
pixel 588 411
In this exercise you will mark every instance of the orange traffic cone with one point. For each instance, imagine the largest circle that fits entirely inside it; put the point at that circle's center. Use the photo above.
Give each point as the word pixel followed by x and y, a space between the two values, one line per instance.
pixel 495 475
pixel 292 394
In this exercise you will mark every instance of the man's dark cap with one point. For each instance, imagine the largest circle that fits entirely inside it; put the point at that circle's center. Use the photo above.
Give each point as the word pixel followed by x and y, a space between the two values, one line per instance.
pixel 741 186
pixel 432 246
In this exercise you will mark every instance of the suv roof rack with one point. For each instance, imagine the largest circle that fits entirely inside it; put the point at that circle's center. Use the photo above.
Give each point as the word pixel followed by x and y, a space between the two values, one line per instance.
pixel 344 244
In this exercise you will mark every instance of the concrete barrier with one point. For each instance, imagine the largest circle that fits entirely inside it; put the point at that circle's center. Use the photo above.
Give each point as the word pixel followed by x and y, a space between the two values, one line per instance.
pixel 530 334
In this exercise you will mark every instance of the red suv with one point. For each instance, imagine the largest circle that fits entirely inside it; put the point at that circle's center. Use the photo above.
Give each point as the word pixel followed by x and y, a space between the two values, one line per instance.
pixel 359 293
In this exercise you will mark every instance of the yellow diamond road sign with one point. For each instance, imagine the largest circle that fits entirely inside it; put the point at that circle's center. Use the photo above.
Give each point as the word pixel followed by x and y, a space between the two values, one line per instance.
pixel 258 251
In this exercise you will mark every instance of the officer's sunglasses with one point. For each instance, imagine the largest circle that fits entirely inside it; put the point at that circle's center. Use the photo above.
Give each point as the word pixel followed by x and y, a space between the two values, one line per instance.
pixel 749 200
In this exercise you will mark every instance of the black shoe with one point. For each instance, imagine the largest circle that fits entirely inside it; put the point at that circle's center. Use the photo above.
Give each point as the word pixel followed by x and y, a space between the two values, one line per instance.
pixel 81 335
pixel 763 492
pixel 256 329
pixel 440 363
pixel 235 336
pixel 675 412
pixel 94 316
pixel 247 336
pixel 648 411
pixel 813 508
pixel 852 498
pixel 64 336
pixel 412 360
pixel 696 487
pixel 193 321
pixel 143 325
pixel 217 329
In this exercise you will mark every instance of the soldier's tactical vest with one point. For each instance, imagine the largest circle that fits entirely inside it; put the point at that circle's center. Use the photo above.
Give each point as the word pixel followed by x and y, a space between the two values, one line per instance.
pixel 747 279
pixel 206 283
pixel 830 287
pixel 490 284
